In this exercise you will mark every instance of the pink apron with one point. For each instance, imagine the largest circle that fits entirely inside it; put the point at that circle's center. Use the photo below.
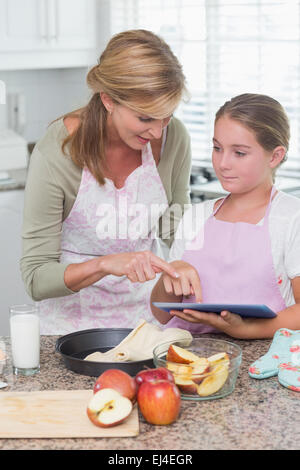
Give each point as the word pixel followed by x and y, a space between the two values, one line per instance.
pixel 106 220
pixel 235 266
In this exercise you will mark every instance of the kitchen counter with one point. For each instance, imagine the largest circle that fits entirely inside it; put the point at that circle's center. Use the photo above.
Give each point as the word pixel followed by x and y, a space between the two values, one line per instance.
pixel 213 189
pixel 16 177
pixel 259 414
pixel 16 180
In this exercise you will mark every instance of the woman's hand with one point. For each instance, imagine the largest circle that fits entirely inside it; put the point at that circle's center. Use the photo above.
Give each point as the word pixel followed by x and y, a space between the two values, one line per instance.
pixel 188 282
pixel 230 323
pixel 140 266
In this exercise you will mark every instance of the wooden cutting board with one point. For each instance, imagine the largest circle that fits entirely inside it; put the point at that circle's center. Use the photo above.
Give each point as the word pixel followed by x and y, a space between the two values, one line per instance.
pixel 55 414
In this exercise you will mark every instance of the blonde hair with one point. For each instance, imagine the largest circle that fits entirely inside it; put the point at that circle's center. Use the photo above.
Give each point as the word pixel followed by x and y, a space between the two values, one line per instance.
pixel 262 115
pixel 138 70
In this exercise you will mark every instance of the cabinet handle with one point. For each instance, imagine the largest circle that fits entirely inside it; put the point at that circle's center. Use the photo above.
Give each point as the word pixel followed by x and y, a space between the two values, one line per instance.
pixel 43 19
pixel 56 20
pixel 52 19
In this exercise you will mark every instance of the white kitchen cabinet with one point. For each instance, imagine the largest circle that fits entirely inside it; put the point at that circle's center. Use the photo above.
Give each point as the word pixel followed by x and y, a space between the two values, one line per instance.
pixel 12 289
pixel 20 25
pixel 47 33
pixel 73 24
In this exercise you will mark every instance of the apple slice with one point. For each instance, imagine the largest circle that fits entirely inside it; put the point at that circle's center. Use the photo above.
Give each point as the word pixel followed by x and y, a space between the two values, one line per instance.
pixel 213 382
pixel 201 361
pixel 199 369
pixel 180 355
pixel 186 385
pixel 219 358
pixel 179 369
pixel 108 408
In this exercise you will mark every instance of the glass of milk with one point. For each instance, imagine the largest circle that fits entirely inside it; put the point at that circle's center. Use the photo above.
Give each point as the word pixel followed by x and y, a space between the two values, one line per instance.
pixel 25 339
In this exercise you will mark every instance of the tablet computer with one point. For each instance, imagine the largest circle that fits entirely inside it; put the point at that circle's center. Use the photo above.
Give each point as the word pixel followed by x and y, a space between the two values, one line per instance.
pixel 244 310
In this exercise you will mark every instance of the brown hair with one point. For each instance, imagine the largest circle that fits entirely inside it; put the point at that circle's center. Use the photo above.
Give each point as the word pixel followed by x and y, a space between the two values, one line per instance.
pixel 138 70
pixel 263 115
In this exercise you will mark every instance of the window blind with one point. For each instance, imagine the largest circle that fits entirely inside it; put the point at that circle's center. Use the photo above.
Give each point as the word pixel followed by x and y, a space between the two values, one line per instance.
pixel 226 47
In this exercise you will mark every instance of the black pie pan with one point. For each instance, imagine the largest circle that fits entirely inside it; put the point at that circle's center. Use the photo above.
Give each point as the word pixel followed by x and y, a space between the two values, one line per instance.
pixel 74 347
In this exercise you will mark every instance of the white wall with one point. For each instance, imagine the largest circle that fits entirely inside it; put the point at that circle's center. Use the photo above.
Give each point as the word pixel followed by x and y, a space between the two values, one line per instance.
pixel 11 285
pixel 48 94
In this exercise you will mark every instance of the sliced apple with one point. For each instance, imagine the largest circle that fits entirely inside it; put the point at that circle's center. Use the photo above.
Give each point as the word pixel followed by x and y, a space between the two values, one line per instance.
pixel 201 361
pixel 186 385
pixel 108 408
pixel 213 382
pixel 219 358
pixel 199 370
pixel 179 369
pixel 180 355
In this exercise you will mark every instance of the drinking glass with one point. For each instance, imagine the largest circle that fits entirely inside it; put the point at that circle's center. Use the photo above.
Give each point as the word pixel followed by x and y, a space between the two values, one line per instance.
pixel 25 339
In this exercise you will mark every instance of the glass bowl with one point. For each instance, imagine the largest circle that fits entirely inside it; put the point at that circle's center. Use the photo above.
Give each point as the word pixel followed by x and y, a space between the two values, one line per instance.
pixel 205 370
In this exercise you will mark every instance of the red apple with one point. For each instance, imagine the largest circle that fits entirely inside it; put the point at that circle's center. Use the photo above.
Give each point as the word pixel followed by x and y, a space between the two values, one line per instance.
pixel 119 381
pixel 108 408
pixel 159 401
pixel 148 375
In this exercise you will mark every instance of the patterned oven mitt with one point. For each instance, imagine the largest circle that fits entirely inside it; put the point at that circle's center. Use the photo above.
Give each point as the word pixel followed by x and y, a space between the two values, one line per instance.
pixel 282 359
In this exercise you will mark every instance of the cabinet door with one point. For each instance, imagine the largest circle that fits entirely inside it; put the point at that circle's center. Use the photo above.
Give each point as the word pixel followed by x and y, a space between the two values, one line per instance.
pixel 74 24
pixel 55 33
pixel 22 25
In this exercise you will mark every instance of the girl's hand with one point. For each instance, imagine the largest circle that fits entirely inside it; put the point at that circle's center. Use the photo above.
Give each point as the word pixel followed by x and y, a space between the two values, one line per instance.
pixel 140 266
pixel 188 282
pixel 230 323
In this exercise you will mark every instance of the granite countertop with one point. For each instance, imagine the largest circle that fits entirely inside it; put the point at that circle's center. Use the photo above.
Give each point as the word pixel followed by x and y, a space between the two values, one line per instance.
pixel 259 414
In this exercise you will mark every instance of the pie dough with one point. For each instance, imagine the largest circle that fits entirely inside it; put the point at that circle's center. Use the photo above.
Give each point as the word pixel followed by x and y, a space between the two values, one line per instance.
pixel 140 342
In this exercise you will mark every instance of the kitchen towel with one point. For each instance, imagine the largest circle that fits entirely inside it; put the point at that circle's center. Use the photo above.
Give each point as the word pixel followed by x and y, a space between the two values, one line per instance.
pixel 140 342
pixel 282 359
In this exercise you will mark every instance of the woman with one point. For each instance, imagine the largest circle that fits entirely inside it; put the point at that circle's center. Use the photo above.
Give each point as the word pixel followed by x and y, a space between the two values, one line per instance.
pixel 247 250
pixel 89 237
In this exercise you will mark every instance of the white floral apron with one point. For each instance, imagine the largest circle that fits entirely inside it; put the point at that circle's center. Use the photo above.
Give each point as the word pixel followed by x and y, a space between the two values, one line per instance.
pixel 105 220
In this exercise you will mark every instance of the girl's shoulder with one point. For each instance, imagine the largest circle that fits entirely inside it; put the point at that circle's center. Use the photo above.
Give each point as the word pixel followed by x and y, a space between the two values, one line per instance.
pixel 211 204
pixel 285 205
pixel 202 210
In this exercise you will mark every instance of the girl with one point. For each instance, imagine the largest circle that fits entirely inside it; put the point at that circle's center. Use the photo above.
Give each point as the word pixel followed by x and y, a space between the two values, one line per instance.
pixel 251 238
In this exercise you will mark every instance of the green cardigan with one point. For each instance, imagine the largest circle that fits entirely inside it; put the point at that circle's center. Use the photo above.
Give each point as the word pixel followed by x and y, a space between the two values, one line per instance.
pixel 51 188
